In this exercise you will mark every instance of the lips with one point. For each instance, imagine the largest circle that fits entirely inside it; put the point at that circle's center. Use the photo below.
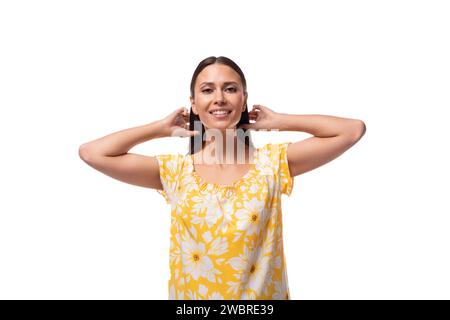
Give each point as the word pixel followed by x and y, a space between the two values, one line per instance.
pixel 220 115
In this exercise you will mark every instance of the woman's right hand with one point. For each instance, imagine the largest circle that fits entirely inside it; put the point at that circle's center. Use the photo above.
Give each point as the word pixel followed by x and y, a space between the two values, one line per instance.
pixel 177 124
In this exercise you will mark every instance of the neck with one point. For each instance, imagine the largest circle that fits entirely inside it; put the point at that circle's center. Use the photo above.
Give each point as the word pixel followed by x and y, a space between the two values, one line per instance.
pixel 224 148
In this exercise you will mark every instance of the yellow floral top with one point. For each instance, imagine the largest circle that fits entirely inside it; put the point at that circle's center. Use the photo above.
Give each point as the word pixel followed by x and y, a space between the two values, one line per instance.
pixel 226 240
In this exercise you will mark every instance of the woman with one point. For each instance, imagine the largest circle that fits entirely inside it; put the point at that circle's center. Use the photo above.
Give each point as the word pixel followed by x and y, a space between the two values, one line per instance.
pixel 226 232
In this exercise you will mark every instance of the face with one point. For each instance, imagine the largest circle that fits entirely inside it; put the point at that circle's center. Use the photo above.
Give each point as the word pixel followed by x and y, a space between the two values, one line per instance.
pixel 219 88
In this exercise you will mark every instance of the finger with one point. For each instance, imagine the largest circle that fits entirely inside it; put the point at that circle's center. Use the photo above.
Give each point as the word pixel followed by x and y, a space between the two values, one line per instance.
pixel 189 133
pixel 178 132
pixel 181 110
pixel 263 108
pixel 194 133
pixel 181 133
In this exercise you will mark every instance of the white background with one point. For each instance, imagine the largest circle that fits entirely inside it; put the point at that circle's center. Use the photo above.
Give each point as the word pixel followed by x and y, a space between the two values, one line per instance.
pixel 372 224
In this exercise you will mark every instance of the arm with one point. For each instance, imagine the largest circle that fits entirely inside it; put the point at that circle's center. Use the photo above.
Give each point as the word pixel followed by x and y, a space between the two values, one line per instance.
pixel 110 155
pixel 332 136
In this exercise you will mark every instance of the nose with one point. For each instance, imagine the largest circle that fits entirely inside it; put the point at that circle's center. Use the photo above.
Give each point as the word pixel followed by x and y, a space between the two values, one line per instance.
pixel 220 97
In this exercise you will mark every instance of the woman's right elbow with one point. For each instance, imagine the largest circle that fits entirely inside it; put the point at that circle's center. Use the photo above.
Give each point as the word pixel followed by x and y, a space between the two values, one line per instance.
pixel 84 152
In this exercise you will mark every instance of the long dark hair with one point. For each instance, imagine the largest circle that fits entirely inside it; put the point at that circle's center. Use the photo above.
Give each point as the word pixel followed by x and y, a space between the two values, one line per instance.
pixel 196 143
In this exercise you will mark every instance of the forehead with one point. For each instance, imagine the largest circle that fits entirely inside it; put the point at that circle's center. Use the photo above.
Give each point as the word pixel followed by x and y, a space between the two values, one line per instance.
pixel 218 73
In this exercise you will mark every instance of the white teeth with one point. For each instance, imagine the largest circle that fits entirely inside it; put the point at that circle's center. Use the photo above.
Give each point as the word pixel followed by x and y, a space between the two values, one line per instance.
pixel 220 112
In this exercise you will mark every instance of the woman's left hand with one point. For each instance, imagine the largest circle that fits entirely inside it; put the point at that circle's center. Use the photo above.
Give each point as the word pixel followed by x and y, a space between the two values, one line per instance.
pixel 265 118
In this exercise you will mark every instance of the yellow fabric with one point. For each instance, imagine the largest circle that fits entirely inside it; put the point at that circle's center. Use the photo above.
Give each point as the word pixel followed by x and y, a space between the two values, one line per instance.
pixel 226 241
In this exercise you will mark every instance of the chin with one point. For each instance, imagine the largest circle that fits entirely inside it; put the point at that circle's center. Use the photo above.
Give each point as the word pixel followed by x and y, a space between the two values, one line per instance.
pixel 222 126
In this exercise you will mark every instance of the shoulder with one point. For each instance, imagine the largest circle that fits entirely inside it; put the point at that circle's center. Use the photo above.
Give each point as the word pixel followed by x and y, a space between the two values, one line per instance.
pixel 276 163
pixel 271 156
pixel 274 151
pixel 170 164
pixel 171 158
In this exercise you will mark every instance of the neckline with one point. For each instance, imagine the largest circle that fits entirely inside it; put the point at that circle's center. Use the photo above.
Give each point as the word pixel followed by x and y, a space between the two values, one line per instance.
pixel 243 177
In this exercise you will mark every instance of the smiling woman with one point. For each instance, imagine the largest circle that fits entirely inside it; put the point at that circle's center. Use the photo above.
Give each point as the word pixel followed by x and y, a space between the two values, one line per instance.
pixel 226 236
pixel 218 101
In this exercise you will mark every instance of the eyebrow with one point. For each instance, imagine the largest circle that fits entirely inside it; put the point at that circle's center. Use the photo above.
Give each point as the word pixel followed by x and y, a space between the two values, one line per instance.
pixel 225 83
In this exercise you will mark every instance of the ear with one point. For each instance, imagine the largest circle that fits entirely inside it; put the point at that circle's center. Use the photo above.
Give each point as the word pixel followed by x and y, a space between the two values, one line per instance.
pixel 194 109
pixel 245 101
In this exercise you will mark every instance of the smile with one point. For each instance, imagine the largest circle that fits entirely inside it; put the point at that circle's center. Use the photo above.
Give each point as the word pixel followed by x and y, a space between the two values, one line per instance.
pixel 220 114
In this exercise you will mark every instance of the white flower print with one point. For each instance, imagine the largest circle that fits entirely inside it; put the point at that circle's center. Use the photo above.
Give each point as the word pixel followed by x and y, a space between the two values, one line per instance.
pixel 213 213
pixel 218 246
pixel 215 296
pixel 265 163
pixel 188 183
pixel 170 178
pixel 192 295
pixel 174 251
pixel 211 275
pixel 277 262
pixel 227 214
pixel 211 208
pixel 207 236
pixel 248 295
pixel 269 244
pixel 253 273
pixel 197 263
pixel 172 293
pixel 281 290
pixel 202 290
pixel 259 272
pixel 251 217
pixel 202 202
pixel 239 263
pixel 253 188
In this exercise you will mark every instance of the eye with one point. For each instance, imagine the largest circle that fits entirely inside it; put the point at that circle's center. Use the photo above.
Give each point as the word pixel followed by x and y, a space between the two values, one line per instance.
pixel 233 89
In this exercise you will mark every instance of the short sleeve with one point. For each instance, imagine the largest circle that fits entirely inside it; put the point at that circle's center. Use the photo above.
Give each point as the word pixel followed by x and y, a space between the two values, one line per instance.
pixel 170 166
pixel 286 182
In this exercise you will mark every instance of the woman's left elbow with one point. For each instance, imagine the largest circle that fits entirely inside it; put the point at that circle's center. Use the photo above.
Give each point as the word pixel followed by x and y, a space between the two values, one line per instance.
pixel 358 130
